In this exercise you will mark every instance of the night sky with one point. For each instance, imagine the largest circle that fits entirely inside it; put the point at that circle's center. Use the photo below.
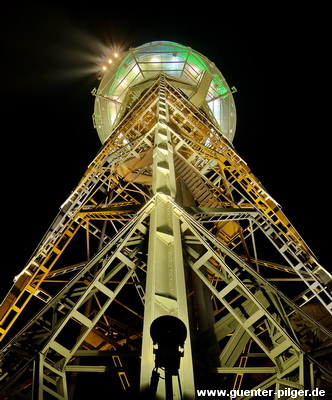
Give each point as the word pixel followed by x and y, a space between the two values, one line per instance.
pixel 276 58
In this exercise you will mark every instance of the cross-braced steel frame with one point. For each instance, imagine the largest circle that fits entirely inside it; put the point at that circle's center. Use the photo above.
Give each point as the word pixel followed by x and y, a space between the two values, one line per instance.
pixel 167 220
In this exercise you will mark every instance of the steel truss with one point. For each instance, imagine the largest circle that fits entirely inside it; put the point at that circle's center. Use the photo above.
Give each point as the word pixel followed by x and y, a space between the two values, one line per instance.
pixel 172 221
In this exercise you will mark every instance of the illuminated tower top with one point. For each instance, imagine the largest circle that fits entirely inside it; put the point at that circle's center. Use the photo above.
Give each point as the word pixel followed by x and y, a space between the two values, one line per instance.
pixel 131 73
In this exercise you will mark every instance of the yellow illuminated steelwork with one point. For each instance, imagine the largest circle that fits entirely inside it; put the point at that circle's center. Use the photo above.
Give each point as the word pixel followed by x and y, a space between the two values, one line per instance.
pixel 166 221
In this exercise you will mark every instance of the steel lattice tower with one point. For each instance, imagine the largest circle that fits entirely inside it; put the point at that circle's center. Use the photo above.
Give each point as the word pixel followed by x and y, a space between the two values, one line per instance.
pixel 167 221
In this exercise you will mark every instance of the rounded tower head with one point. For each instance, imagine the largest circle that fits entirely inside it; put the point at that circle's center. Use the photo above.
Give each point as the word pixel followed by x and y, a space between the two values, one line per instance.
pixel 134 71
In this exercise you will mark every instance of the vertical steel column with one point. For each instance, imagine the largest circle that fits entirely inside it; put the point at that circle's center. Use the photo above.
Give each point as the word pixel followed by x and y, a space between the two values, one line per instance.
pixel 165 284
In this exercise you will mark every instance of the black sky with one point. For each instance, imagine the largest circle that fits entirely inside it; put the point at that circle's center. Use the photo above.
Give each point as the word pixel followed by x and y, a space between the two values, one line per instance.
pixel 277 58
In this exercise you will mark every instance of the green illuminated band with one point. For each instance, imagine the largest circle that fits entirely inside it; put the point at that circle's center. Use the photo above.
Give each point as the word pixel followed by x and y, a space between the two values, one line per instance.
pixel 140 64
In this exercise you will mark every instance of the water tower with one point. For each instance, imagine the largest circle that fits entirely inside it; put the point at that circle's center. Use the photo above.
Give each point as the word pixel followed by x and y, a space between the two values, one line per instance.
pixel 169 270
